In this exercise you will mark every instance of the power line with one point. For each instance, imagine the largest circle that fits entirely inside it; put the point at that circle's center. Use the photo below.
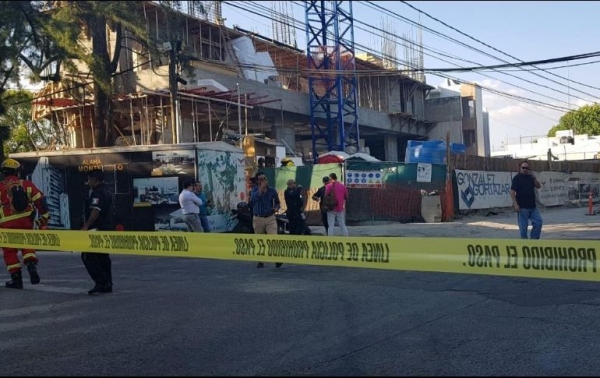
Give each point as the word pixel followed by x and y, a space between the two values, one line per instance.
pixel 393 59
pixel 551 68
pixel 500 51
pixel 78 85
pixel 511 124
pixel 388 72
pixel 396 15
pixel 262 8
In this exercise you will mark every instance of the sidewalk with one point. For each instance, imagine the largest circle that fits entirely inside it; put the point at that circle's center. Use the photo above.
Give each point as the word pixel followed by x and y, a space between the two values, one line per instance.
pixel 559 223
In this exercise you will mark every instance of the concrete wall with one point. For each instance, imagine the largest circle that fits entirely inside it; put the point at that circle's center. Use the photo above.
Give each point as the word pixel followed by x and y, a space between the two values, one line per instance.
pixel 286 133
pixel 482 148
pixel 391 147
pixel 441 128
pixel 444 109
pixel 419 105
pixel 486 133
pixel 293 102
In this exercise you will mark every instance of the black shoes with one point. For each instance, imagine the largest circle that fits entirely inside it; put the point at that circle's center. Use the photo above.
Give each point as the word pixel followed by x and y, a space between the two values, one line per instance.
pixel 16 281
pixel 34 277
pixel 277 265
pixel 101 289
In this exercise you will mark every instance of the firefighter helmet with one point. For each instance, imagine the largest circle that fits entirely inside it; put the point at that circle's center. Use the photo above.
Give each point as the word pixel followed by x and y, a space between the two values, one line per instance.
pixel 287 162
pixel 11 164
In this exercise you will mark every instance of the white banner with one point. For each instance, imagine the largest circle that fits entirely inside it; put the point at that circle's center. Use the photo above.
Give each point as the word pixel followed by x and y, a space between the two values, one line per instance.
pixel 555 188
pixel 483 190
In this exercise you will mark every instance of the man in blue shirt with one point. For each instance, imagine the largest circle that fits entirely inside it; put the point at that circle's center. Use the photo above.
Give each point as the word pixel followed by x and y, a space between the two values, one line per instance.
pixel 264 202
pixel 202 212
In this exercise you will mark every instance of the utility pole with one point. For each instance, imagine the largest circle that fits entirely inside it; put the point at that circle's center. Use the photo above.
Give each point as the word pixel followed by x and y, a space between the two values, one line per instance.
pixel 173 92
pixel 239 113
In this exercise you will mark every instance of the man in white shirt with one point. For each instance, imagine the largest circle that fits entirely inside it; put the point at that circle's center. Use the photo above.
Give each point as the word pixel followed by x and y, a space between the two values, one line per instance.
pixel 190 207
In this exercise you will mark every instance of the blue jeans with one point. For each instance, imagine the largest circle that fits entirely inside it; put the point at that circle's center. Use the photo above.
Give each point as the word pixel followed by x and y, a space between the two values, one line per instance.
pixel 204 222
pixel 523 216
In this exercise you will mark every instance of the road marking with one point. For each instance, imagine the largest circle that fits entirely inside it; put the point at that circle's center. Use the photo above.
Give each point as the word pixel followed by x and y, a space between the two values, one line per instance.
pixel 15 326
pixel 39 308
pixel 57 289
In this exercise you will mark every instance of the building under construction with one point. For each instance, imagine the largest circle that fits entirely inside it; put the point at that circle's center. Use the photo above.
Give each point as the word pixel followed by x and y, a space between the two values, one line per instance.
pixel 238 83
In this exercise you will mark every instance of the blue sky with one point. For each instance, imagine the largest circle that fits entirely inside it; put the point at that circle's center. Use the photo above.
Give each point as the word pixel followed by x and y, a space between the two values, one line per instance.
pixel 527 30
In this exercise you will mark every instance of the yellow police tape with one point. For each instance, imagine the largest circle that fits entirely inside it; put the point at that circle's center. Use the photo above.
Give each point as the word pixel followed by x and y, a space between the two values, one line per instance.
pixel 556 259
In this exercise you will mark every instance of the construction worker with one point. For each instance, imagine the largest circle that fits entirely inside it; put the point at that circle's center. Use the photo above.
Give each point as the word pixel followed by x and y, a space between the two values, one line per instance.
pixel 22 207
pixel 287 162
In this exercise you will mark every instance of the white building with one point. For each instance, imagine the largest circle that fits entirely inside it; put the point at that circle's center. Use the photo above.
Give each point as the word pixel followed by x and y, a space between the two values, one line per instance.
pixel 564 146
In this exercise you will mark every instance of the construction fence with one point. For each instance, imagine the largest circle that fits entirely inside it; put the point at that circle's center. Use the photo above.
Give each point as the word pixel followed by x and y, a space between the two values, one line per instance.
pixel 395 191
pixel 378 191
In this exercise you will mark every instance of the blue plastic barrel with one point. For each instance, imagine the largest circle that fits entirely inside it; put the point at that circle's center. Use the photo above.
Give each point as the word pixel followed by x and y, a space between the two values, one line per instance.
pixel 431 151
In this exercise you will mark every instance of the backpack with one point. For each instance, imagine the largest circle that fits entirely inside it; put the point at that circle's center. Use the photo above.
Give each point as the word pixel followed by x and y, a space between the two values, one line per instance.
pixel 17 196
pixel 329 200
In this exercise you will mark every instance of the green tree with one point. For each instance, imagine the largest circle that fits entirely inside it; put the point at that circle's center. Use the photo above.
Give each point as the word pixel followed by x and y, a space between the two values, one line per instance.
pixel 20 133
pixel 88 22
pixel 585 120
pixel 23 42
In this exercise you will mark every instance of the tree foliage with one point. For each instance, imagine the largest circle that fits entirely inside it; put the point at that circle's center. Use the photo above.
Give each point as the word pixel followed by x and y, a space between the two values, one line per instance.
pixel 72 36
pixel 585 120
pixel 89 21
pixel 23 42
pixel 21 134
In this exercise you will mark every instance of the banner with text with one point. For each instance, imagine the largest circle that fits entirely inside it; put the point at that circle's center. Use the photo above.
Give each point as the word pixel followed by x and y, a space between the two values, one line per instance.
pixel 555 188
pixel 482 189
pixel 555 259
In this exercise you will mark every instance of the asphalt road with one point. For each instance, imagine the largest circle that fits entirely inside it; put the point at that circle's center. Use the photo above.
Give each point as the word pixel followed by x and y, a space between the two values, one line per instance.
pixel 171 317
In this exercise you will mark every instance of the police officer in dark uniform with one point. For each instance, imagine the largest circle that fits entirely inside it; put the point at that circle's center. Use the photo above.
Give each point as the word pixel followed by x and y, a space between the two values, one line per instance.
pixel 294 202
pixel 318 196
pixel 98 216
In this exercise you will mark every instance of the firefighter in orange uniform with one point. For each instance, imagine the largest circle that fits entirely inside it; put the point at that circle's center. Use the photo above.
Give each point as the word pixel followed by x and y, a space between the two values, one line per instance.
pixel 33 214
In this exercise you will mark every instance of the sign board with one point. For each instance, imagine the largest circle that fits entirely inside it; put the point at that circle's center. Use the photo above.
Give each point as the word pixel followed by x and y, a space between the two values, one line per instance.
pixel 424 172
pixel 482 189
pixel 364 179
pixel 555 188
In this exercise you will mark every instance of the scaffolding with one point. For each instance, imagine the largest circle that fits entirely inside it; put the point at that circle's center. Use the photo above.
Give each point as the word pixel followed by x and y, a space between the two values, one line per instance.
pixel 142 108
pixel 332 89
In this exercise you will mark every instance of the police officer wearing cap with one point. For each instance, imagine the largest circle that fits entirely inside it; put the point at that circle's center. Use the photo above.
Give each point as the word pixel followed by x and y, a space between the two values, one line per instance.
pixel 294 201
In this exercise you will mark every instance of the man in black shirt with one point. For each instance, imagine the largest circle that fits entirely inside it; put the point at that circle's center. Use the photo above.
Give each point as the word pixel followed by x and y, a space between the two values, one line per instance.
pixel 98 216
pixel 522 192
pixel 294 202
pixel 318 196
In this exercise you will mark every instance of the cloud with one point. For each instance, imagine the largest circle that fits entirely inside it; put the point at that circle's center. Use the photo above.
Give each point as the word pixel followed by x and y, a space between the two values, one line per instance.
pixel 508 111
pixel 488 83
pixel 581 102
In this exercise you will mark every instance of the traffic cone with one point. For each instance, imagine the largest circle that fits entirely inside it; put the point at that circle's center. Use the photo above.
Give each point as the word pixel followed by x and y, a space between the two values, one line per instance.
pixel 590 205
